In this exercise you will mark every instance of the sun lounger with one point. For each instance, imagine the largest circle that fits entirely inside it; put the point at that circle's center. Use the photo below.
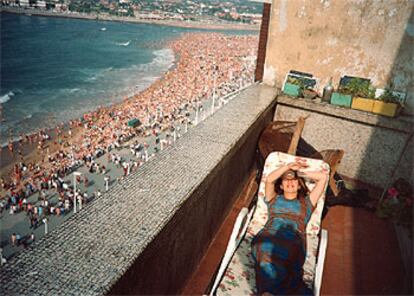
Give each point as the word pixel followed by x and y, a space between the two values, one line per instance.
pixel 236 275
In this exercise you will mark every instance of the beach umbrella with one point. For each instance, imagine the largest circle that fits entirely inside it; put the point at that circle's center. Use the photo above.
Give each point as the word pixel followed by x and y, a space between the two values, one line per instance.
pixel 134 122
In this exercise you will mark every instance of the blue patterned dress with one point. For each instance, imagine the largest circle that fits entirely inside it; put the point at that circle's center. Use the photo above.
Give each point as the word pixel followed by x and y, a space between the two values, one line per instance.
pixel 279 249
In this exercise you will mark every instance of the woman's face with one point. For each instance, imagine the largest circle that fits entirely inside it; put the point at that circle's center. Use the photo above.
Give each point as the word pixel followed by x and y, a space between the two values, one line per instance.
pixel 290 185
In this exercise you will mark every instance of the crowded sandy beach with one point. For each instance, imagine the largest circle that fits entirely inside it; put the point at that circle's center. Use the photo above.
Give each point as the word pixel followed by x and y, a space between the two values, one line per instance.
pixel 35 170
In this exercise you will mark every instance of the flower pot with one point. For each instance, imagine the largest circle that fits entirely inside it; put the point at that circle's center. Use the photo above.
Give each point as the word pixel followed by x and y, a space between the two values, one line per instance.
pixel 309 94
pixel 291 89
pixel 341 99
pixel 362 104
pixel 386 109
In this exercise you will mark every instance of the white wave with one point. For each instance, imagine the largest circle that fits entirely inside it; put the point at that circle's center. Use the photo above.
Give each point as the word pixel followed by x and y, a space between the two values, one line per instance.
pixel 164 57
pixel 123 44
pixel 94 75
pixel 90 79
pixel 85 71
pixel 73 90
pixel 103 29
pixel 6 97
pixel 128 80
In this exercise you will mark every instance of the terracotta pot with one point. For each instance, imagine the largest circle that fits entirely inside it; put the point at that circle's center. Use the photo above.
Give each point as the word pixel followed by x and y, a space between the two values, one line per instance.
pixel 309 94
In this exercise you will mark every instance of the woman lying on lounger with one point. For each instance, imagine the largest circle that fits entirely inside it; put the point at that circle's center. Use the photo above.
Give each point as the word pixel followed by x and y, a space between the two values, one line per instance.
pixel 279 248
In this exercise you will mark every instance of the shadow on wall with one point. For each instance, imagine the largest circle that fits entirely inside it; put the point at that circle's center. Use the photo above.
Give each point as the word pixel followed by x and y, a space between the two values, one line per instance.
pixel 401 74
pixel 378 241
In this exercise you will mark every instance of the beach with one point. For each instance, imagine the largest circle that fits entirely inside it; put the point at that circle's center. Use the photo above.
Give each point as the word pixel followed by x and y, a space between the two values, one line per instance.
pixel 27 147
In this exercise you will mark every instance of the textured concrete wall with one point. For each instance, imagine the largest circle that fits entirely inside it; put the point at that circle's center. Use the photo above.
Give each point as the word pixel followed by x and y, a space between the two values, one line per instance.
pixel 147 235
pixel 366 38
pixel 372 143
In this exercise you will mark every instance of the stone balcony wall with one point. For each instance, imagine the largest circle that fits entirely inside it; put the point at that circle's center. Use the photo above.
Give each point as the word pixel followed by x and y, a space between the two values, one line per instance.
pixel 147 235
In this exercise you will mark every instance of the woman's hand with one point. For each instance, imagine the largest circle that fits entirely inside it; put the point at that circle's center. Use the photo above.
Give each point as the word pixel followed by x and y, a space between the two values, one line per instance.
pixel 297 165
pixel 270 192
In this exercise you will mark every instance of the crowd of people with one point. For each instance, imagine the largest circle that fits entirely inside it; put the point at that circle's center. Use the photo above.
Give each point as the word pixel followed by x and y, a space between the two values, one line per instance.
pixel 208 65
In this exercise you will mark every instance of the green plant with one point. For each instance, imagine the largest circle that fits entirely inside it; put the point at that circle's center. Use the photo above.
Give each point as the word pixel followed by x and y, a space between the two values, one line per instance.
pixel 303 83
pixel 389 97
pixel 296 81
pixel 358 87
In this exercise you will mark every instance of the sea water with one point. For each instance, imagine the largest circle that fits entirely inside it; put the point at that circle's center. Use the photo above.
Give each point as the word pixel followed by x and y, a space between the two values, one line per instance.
pixel 56 69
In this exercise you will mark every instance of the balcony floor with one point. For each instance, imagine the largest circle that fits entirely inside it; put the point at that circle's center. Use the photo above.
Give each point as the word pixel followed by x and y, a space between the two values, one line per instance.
pixel 363 255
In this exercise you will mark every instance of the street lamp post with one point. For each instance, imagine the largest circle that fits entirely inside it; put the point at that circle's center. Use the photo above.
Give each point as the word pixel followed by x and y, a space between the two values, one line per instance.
pixel 106 183
pixel 75 174
pixel 196 115
pixel 80 202
pixel 215 69
pixel 45 222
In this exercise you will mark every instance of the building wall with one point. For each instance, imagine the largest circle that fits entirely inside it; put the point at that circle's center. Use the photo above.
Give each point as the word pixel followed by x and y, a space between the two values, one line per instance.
pixel 365 38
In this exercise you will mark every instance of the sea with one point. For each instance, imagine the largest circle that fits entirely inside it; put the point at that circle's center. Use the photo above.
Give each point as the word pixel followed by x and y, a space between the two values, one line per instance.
pixel 56 69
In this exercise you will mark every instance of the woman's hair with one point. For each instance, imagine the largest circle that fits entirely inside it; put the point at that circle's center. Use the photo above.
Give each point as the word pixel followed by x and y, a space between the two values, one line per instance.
pixel 303 189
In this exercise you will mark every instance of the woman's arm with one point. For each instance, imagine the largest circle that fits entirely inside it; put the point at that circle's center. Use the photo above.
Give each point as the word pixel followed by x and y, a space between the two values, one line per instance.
pixel 321 178
pixel 273 176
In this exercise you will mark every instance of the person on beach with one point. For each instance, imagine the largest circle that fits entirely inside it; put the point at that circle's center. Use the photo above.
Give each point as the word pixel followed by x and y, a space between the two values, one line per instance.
pixel 10 146
pixel 13 239
pixel 279 248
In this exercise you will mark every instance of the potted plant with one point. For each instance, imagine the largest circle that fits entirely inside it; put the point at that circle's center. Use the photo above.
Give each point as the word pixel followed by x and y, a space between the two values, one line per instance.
pixel 293 86
pixel 309 93
pixel 363 94
pixel 343 95
pixel 397 205
pixel 300 84
pixel 387 104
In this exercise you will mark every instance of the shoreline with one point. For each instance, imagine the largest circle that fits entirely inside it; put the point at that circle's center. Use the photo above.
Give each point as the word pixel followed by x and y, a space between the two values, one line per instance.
pixel 170 23
pixel 29 150
pixel 127 94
